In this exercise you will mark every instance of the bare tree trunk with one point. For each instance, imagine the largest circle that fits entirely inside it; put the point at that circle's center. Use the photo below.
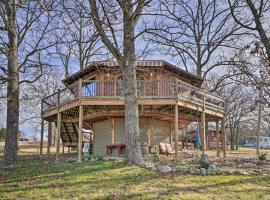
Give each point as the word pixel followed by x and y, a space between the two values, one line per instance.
pixel 259 122
pixel 232 132
pixel 236 137
pixel 131 99
pixel 12 126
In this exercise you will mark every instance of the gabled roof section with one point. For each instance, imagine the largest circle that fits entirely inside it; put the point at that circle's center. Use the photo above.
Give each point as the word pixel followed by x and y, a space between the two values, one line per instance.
pixel 189 77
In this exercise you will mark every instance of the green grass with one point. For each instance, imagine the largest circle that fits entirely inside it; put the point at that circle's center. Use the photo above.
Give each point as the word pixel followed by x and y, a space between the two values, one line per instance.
pixel 114 180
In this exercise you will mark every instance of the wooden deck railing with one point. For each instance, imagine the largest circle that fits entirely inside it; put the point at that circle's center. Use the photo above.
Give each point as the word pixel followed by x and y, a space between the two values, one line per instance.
pixel 156 89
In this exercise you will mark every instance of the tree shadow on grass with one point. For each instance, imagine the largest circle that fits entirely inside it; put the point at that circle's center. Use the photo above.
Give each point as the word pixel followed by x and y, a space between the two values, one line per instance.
pixel 172 189
pixel 37 170
pixel 93 183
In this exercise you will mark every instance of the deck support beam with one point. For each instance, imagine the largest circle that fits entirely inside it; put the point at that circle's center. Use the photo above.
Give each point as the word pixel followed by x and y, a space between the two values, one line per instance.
pixel 149 130
pixel 41 137
pixel 176 131
pixel 217 138
pixel 49 137
pixel 203 128
pixel 58 132
pixel 224 143
pixel 63 148
pixel 171 135
pixel 80 141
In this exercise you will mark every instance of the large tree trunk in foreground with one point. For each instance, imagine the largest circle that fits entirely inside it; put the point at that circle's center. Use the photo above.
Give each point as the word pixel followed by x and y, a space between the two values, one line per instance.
pixel 12 126
pixel 127 61
pixel 131 99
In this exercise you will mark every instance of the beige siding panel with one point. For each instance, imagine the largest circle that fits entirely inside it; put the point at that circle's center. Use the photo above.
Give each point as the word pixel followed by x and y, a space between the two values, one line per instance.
pixel 103 137
pixel 120 131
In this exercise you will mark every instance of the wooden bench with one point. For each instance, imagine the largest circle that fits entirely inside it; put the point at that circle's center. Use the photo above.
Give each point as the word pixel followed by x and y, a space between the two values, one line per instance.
pixel 120 148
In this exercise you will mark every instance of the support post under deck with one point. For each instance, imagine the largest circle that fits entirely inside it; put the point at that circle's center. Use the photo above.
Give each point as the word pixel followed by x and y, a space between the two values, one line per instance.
pixel 224 143
pixel 41 137
pixel 58 132
pixel 80 141
pixel 203 128
pixel 176 131
pixel 217 138
pixel 49 137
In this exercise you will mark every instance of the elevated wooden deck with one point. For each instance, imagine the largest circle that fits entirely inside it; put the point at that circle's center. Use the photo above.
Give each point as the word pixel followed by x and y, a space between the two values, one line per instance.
pixel 158 93
pixel 84 103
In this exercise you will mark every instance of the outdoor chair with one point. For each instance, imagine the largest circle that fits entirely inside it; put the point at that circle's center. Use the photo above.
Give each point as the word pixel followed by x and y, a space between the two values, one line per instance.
pixel 166 149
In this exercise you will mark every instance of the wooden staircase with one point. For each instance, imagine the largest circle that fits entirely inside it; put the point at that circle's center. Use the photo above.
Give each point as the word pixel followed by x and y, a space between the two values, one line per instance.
pixel 69 134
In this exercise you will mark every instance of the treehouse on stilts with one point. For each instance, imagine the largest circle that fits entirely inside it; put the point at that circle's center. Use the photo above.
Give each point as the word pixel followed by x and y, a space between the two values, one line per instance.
pixel 169 99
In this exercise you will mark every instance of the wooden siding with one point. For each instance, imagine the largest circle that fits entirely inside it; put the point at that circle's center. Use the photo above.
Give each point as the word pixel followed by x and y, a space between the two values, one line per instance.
pixel 160 131
pixel 102 137
pixel 119 131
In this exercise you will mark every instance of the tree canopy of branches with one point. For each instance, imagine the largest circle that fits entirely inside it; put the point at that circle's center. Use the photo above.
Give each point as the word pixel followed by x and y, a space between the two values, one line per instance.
pixel 251 15
pixel 79 41
pixel 195 32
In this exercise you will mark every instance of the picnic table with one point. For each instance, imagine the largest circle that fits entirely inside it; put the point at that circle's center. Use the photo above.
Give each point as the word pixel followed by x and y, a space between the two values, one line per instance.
pixel 119 147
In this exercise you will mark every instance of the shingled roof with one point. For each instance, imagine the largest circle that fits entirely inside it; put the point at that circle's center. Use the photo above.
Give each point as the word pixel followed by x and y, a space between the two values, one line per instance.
pixel 193 79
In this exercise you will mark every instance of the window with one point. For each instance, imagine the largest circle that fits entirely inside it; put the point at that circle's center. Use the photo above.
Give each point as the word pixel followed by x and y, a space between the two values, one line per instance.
pixel 89 88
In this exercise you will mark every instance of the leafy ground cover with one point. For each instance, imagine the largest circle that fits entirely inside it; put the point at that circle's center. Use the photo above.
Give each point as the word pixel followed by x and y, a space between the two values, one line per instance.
pixel 45 179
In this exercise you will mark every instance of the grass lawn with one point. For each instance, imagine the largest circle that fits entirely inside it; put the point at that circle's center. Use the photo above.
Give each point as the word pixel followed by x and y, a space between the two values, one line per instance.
pixel 34 179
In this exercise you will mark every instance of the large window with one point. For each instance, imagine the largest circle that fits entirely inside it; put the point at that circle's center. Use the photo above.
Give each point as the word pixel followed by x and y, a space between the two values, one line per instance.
pixel 89 88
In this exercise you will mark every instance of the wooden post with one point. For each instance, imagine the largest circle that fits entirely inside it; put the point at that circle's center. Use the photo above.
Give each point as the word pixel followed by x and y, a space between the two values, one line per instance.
pixel 176 130
pixel 41 137
pixel 63 148
pixel 186 138
pixel 149 133
pixel 113 130
pixel 171 135
pixel 80 89
pixel 203 127
pixel 217 138
pixel 58 135
pixel 224 143
pixel 49 137
pixel 54 134
pixel 58 127
pixel 80 141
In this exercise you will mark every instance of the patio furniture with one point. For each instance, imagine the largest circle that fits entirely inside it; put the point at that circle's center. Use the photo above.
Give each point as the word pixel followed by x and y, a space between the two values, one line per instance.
pixel 119 147
pixel 166 149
